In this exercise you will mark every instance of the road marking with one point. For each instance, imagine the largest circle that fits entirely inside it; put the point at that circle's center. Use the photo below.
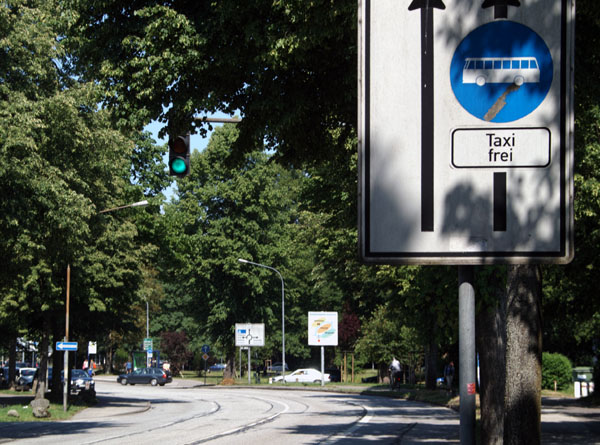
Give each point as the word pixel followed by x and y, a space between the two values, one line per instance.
pixel 366 418
pixel 247 426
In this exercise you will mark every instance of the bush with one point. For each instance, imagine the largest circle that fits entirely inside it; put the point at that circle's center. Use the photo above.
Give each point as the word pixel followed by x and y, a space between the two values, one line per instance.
pixel 556 367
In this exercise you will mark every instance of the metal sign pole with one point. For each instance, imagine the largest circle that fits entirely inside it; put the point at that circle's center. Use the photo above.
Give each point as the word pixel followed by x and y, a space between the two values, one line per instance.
pixel 249 367
pixel 322 365
pixel 466 352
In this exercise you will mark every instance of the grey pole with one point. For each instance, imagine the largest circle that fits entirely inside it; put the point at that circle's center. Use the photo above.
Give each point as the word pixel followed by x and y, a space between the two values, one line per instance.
pixel 466 351
pixel 241 260
pixel 249 367
pixel 322 365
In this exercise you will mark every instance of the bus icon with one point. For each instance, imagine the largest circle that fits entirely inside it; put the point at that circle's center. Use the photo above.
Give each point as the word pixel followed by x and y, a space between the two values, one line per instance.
pixel 517 70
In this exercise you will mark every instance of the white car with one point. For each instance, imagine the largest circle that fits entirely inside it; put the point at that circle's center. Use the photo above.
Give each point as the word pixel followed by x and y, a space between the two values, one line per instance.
pixel 303 376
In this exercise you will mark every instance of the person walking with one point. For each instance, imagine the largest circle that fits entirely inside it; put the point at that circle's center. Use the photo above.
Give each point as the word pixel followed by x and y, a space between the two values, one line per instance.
pixel 449 374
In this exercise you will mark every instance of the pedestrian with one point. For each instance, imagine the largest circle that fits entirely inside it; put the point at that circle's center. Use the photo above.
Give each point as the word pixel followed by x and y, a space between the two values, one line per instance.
pixel 85 365
pixel 449 374
pixel 395 370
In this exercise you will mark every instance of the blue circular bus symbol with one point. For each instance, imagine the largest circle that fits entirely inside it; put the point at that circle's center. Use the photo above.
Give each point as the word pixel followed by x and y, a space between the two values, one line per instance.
pixel 501 71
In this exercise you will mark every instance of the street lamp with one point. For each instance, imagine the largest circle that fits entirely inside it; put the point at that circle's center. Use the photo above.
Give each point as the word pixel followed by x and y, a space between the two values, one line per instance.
pixel 241 260
pixel 66 353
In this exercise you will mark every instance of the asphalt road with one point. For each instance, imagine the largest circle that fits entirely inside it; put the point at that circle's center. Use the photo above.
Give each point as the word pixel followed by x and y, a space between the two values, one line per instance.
pixel 183 414
pixel 179 415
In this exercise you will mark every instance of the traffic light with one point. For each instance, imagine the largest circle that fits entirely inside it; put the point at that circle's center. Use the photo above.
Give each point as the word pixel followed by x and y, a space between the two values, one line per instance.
pixel 179 156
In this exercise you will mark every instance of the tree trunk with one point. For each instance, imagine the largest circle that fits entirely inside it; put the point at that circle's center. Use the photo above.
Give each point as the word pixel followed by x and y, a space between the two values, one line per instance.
pixel 12 361
pixel 40 388
pixel 522 421
pixel 230 370
pixel 491 345
pixel 431 359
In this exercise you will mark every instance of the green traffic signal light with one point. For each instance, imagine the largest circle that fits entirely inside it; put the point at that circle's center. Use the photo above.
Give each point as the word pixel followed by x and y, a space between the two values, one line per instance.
pixel 179 156
pixel 178 166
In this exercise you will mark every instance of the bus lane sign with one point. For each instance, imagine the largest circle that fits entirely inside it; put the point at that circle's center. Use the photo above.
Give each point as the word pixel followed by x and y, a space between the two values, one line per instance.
pixel 465 132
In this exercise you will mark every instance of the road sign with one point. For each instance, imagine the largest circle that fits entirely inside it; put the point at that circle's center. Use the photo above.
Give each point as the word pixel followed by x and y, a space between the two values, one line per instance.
pixel 147 344
pixel 92 347
pixel 205 356
pixel 205 349
pixel 66 346
pixel 323 328
pixel 465 131
pixel 249 334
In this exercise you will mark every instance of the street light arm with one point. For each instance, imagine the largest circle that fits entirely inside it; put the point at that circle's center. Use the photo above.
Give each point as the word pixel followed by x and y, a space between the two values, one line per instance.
pixel 241 260
pixel 135 204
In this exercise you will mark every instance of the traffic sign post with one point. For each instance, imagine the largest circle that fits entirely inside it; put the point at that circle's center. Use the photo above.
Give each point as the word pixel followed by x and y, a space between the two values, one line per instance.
pixel 248 335
pixel 466 142
pixel 465 131
pixel 323 331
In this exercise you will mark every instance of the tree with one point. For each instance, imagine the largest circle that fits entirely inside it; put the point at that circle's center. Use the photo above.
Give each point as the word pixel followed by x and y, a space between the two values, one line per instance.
pixel 175 346
pixel 62 161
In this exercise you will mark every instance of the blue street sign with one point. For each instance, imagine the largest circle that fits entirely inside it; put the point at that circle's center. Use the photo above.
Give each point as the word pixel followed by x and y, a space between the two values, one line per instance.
pixel 66 346
pixel 501 71
pixel 205 349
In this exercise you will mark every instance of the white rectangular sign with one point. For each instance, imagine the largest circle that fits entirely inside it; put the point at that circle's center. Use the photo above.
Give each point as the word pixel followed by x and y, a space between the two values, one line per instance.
pixel 465 132
pixel 500 148
pixel 323 328
pixel 249 334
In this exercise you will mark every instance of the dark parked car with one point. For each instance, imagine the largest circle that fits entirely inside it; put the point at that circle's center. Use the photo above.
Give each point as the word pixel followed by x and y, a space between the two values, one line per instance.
pixel 153 376
pixel 26 377
pixel 217 367
pixel 81 381
pixel 277 367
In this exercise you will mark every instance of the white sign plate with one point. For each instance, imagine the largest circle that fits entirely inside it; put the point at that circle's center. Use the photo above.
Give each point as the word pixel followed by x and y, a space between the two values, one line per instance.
pixel 249 334
pixel 323 328
pixel 501 148
pixel 465 132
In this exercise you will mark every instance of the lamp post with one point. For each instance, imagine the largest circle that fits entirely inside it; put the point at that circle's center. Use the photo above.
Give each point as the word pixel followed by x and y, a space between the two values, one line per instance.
pixel 66 353
pixel 241 260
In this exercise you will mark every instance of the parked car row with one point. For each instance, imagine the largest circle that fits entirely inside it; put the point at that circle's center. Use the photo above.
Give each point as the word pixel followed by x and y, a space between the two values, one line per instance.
pixel 25 377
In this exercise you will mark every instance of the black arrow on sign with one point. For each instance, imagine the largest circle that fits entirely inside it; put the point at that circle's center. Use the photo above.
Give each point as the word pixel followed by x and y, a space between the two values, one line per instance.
pixel 500 7
pixel 426 7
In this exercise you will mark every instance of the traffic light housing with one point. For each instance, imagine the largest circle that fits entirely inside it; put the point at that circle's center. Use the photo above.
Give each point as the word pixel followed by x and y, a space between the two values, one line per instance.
pixel 179 156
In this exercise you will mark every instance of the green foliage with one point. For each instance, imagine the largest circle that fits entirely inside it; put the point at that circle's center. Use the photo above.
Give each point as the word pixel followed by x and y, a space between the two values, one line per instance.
pixel 121 357
pixel 289 67
pixel 385 337
pixel 556 368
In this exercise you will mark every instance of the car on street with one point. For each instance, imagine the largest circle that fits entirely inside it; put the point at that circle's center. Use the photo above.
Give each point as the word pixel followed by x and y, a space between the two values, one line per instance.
pixel 152 376
pixel 305 375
